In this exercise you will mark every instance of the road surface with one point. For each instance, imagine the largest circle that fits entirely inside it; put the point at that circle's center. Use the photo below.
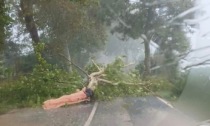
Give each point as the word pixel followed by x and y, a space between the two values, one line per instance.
pixel 147 111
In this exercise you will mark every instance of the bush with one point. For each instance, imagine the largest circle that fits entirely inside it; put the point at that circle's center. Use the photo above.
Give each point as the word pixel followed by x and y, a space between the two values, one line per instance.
pixel 46 81
pixel 32 90
pixel 129 84
pixel 179 84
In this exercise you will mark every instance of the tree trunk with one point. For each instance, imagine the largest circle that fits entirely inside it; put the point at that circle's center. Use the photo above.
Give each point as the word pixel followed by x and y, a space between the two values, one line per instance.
pixel 147 58
pixel 2 24
pixel 148 27
pixel 27 11
pixel 68 56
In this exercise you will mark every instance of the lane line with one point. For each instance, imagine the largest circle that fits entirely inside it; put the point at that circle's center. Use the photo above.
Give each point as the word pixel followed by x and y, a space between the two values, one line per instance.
pixel 90 118
pixel 165 102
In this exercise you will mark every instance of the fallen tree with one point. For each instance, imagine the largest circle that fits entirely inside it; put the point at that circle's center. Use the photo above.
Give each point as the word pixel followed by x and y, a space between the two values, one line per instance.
pixel 47 81
pixel 77 97
pixel 103 76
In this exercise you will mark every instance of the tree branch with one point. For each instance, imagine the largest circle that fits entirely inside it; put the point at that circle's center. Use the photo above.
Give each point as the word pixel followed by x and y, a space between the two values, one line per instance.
pixel 205 62
pixel 97 73
pixel 182 56
pixel 96 65
pixel 94 79
pixel 74 65
pixel 108 82
pixel 118 18
pixel 193 50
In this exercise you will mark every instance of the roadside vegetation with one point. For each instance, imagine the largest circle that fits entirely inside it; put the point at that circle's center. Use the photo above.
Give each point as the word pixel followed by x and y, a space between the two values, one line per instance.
pixel 47 81
pixel 47 48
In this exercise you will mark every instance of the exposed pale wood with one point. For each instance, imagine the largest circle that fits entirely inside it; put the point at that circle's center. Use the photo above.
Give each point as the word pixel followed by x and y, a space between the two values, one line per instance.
pixel 94 79
pixel 107 81
pixel 96 65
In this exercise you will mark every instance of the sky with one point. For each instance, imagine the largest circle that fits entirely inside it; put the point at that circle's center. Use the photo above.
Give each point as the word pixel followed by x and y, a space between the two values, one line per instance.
pixel 201 38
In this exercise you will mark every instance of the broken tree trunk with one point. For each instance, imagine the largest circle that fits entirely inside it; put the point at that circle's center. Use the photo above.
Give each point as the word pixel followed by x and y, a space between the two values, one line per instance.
pixel 84 94
pixel 77 97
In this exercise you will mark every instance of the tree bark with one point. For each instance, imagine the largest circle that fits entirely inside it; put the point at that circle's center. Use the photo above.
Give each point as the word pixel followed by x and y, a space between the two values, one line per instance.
pixel 147 58
pixel 27 11
pixel 148 26
pixel 68 56
pixel 2 25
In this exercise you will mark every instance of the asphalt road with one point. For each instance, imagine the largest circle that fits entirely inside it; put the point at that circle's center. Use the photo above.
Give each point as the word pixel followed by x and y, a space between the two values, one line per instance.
pixel 147 111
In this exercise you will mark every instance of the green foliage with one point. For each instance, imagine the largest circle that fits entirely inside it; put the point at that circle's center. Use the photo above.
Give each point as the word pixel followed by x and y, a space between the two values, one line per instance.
pixel 39 86
pixel 134 19
pixel 90 68
pixel 4 21
pixel 128 84
pixel 27 63
pixel 5 72
pixel 109 92
pixel 179 84
pixel 2 69
pixel 114 71
pixel 44 82
pixel 140 67
pixel 86 2
pixel 71 23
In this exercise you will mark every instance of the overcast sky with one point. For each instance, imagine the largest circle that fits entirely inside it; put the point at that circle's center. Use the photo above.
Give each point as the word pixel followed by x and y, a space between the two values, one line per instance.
pixel 202 36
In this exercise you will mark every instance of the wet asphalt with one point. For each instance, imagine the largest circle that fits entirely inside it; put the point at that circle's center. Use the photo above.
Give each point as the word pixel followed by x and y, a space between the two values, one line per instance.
pixel 140 111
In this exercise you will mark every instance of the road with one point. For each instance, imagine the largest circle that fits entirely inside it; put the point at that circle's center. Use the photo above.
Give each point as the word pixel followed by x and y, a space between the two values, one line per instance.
pixel 147 111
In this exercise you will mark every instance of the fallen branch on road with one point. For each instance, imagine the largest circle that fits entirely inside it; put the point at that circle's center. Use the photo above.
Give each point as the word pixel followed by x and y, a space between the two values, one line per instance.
pixel 114 82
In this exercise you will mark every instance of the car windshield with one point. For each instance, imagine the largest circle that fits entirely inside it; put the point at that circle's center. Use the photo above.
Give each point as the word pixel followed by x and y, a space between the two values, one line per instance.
pixel 104 62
